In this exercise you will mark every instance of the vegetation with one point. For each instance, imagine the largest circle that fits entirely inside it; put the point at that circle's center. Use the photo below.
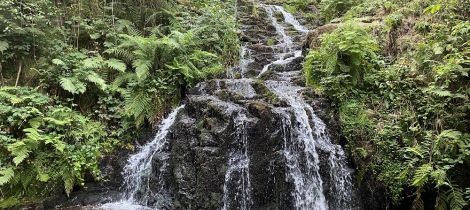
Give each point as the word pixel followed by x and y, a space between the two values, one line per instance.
pixel 76 76
pixel 404 103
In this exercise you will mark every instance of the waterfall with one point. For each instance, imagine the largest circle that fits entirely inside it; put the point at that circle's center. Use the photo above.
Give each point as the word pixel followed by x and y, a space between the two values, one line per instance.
pixel 237 186
pixel 300 150
pixel 139 170
pixel 287 44
pixel 289 18
pixel 303 138
pixel 139 166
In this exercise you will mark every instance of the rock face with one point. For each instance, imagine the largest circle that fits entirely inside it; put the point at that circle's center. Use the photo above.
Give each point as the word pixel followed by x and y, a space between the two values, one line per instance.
pixel 207 135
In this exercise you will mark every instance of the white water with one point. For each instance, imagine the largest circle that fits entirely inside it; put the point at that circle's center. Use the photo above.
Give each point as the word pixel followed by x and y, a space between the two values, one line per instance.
pixel 289 18
pixel 340 174
pixel 300 150
pixel 303 138
pixel 287 44
pixel 139 168
pixel 237 185
pixel 286 40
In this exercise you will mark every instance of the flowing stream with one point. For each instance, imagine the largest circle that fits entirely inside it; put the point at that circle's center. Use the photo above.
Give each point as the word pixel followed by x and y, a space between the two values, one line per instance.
pixel 140 169
pixel 304 134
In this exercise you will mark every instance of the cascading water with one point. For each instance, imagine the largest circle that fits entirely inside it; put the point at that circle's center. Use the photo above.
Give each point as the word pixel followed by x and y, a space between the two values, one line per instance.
pixel 139 169
pixel 305 134
pixel 289 18
pixel 300 150
pixel 139 166
pixel 303 138
pixel 287 44
pixel 286 40
pixel 237 186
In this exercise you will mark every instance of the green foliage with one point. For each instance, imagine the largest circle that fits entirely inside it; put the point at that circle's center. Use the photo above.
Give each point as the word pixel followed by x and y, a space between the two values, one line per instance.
pixel 162 67
pixel 331 9
pixel 343 59
pixel 44 146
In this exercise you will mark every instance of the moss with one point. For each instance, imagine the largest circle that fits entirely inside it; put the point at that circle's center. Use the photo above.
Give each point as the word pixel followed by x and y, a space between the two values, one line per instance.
pixel 271 42
pixel 261 89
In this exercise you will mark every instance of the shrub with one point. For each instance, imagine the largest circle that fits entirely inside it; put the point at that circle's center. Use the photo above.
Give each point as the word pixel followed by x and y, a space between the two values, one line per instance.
pixel 44 146
pixel 342 60
pixel 331 9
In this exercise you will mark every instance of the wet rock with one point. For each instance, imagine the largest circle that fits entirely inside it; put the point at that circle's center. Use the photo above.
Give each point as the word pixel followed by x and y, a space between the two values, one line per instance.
pixel 312 41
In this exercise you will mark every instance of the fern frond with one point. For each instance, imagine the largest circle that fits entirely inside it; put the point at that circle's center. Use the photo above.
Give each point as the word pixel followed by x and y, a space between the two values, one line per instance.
pixel 450 134
pixel 142 68
pixel 120 53
pixel 137 105
pixel 68 183
pixel 6 175
pixel 440 202
pixel 439 177
pixel 92 63
pixel 96 79
pixel 455 199
pixel 415 150
pixel 10 97
pixel 72 85
pixel 418 203
pixel 116 64
pixel 421 175
pixel 121 79
pixel 20 152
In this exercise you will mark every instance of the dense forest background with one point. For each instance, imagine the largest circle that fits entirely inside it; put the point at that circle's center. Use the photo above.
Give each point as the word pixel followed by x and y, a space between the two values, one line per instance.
pixel 80 79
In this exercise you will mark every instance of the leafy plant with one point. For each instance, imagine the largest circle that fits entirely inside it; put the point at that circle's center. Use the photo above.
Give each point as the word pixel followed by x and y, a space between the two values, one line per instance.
pixel 331 9
pixel 44 146
pixel 343 59
pixel 163 67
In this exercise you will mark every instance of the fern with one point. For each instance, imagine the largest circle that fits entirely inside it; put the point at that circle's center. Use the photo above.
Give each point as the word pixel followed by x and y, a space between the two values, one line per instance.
pixel 142 68
pixel 418 203
pixel 96 79
pixel 116 65
pixel 72 85
pixel 416 151
pixel 6 175
pixel 441 203
pixel 137 105
pixel 450 134
pixel 3 46
pixel 421 175
pixel 92 63
pixel 20 152
pixel 455 199
pixel 121 52
pixel 12 98
pixel 439 177
pixel 68 183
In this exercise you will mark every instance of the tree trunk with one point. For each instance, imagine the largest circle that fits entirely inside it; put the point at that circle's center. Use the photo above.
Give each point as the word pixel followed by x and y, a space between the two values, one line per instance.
pixel 19 73
pixel 2 81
